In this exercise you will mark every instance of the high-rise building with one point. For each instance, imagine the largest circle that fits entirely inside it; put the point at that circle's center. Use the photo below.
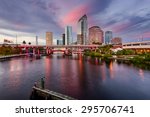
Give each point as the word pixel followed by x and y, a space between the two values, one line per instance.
pixel 116 41
pixel 68 35
pixel 63 39
pixel 36 40
pixel 82 30
pixel 108 37
pixel 59 42
pixel 49 38
pixel 95 35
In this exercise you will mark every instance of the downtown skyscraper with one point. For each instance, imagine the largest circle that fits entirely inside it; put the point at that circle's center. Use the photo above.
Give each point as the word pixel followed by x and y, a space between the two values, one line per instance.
pixel 82 31
pixel 95 35
pixel 49 38
pixel 63 38
pixel 68 35
pixel 116 41
pixel 108 37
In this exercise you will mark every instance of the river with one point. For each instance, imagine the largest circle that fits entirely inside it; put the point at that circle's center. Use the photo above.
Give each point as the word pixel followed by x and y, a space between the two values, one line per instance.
pixel 76 76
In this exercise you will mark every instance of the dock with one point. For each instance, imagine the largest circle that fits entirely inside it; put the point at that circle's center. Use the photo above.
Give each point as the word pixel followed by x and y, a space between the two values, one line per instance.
pixel 45 94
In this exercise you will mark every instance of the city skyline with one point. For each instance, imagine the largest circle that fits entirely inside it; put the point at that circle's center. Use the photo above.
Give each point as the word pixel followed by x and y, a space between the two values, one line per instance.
pixel 28 18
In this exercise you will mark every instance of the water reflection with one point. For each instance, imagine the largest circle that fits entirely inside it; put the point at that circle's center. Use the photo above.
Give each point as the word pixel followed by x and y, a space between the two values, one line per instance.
pixel 111 70
pixel 14 80
pixel 77 76
pixel 47 69
pixel 141 73
pixel 103 72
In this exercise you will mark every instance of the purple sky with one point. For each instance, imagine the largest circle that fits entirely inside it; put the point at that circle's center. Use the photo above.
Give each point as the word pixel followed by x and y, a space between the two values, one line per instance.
pixel 129 19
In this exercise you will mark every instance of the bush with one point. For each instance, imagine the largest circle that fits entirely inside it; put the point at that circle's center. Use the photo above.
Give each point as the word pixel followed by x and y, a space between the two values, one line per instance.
pixel 125 52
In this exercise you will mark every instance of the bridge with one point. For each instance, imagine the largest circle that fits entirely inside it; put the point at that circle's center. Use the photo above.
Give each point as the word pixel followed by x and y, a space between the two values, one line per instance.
pixel 143 46
pixel 57 48
pixel 61 46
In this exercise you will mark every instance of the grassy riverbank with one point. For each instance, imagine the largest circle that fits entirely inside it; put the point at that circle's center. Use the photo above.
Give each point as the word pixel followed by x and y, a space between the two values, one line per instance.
pixel 127 56
pixel 142 61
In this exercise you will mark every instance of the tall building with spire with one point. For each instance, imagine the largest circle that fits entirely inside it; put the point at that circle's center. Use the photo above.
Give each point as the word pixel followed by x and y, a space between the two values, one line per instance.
pixel 108 37
pixel 82 31
pixel 68 35
pixel 95 35
pixel 49 38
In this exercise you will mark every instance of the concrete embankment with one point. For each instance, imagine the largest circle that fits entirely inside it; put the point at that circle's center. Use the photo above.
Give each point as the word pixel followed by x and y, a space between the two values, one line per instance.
pixel 11 56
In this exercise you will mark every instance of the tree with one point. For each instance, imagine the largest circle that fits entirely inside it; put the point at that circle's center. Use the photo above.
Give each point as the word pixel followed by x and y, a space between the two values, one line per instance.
pixel 24 42
pixel 29 43
pixel 125 52
pixel 105 49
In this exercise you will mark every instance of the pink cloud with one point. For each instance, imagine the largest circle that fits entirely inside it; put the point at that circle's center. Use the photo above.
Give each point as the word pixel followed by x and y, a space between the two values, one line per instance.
pixel 20 25
pixel 72 17
pixel 142 35
pixel 146 35
pixel 121 27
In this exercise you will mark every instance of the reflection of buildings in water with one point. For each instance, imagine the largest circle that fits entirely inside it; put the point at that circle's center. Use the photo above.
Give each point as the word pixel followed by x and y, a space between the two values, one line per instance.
pixel 141 73
pixel 96 61
pixel 71 75
pixel 103 72
pixel 75 56
pixel 16 65
pixel 47 68
pixel 80 59
pixel 111 70
pixel 80 63
pixel 81 70
pixel 15 68
pixel 60 57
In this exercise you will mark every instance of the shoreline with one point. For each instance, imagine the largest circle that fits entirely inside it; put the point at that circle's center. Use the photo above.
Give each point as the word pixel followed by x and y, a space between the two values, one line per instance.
pixel 12 56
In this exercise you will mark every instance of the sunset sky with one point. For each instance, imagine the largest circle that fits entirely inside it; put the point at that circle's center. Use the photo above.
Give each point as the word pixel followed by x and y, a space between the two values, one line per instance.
pixel 129 19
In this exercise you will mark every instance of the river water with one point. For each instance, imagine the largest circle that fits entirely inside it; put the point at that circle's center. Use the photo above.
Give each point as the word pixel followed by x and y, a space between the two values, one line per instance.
pixel 77 76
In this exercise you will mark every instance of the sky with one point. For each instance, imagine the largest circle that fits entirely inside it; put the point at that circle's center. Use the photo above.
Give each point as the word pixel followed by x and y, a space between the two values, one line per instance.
pixel 129 19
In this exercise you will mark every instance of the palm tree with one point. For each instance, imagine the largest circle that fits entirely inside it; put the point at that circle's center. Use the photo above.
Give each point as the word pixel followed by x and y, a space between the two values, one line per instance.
pixel 24 42
pixel 29 43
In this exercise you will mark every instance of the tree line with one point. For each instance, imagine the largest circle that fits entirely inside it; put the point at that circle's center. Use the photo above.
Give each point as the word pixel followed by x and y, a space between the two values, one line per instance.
pixel 8 50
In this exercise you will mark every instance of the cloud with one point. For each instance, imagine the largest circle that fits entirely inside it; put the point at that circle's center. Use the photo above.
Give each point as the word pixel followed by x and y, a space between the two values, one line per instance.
pixel 29 15
pixel 87 7
pixel 72 17
pixel 124 18
pixel 98 6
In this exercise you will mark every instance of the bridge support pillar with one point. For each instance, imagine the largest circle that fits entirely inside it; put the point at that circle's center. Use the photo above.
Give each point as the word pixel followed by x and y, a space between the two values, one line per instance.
pixel 34 51
pixel 47 51
pixel 38 51
pixel 27 50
